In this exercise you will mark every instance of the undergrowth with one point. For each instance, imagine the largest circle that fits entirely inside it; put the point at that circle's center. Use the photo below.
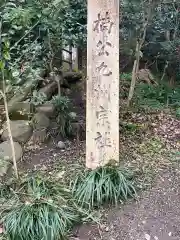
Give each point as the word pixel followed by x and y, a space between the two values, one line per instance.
pixel 38 98
pixel 64 117
pixel 151 96
pixel 108 184
pixel 38 209
pixel 157 97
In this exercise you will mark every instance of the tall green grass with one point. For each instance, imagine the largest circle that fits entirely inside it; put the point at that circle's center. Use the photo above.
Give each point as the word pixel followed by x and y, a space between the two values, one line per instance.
pixel 38 209
pixel 108 184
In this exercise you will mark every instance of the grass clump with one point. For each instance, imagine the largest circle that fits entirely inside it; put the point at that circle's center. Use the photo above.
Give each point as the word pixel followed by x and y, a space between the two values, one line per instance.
pixel 34 220
pixel 108 184
pixel 38 209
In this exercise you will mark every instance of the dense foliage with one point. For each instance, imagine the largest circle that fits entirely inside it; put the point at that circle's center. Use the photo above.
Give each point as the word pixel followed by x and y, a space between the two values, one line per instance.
pixel 161 47
pixel 35 32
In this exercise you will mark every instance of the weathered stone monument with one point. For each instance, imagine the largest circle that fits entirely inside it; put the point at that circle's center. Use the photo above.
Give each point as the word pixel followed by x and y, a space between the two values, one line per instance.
pixel 102 117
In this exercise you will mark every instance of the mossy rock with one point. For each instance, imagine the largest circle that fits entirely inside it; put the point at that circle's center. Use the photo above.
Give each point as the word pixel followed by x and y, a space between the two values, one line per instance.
pixel 21 131
pixel 40 121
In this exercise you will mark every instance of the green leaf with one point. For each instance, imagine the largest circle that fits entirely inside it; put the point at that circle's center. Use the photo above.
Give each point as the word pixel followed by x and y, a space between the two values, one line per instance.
pixel 2 65
pixel 6 56
pixel 7 44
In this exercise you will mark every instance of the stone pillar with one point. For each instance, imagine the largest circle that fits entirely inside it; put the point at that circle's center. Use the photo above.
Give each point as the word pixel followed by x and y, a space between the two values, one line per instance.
pixel 102 117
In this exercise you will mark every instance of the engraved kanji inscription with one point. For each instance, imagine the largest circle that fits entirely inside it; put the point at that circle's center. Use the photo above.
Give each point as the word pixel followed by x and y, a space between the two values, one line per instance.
pixel 102 93
pixel 102 113
pixel 103 69
pixel 102 117
pixel 103 23
pixel 103 140
pixel 102 48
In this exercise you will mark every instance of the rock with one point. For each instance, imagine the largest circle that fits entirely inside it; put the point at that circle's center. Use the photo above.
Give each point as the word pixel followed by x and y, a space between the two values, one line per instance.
pixel 21 111
pixel 40 121
pixel 39 135
pixel 147 237
pixel 4 165
pixel 6 155
pixel 78 131
pixel 24 107
pixel 49 89
pixel 47 109
pixel 146 76
pixel 72 77
pixel 40 124
pixel 20 129
pixel 61 145
pixel 73 115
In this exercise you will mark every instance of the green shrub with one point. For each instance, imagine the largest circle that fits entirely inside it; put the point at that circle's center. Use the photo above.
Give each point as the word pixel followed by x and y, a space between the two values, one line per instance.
pixel 126 77
pixel 38 98
pixel 108 184
pixel 125 81
pixel 64 118
pixel 39 209
pixel 156 97
pixel 62 104
pixel 35 221
pixel 149 95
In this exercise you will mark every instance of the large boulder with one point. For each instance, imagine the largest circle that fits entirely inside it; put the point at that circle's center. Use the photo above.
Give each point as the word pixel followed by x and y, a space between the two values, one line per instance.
pixel 40 124
pixel 40 136
pixel 145 75
pixel 47 109
pixel 24 107
pixel 4 166
pixel 21 110
pixel 72 77
pixel 6 155
pixel 40 121
pixel 21 131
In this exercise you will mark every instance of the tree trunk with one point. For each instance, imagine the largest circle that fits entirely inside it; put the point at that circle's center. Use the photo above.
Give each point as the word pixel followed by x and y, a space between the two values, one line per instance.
pixel 134 74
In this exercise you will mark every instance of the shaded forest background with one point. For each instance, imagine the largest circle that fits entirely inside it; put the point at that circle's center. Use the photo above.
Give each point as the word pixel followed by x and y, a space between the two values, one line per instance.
pixel 34 32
